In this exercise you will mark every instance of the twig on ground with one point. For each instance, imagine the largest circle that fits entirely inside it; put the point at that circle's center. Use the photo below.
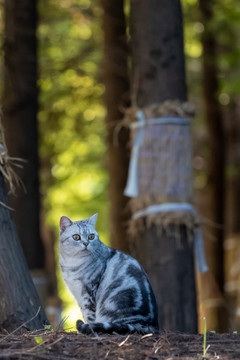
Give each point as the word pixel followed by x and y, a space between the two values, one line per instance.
pixel 42 346
pixel 124 341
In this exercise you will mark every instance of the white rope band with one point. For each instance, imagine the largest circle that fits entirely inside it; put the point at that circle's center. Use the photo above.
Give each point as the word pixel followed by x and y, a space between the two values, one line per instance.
pixel 159 121
pixel 166 207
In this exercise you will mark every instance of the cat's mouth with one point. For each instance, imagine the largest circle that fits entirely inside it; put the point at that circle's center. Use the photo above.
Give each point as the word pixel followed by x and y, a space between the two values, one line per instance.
pixel 85 249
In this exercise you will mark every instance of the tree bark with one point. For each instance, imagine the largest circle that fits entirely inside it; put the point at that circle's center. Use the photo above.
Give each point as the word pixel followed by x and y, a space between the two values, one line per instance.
pixel 19 299
pixel 216 161
pixel 159 75
pixel 216 165
pixel 20 120
pixel 157 52
pixel 232 136
pixel 232 225
pixel 116 99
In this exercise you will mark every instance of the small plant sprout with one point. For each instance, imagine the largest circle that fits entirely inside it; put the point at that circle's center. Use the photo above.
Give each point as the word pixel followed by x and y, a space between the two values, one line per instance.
pixel 205 348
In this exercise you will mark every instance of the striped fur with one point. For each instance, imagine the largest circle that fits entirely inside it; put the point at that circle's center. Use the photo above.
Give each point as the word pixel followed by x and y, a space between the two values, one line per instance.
pixel 111 288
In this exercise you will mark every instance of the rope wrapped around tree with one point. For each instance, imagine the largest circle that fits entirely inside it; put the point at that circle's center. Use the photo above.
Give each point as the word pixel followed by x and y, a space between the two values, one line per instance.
pixel 160 173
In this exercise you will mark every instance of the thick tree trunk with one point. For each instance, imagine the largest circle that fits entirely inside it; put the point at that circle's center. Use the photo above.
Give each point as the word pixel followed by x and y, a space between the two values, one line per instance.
pixel 116 99
pixel 214 244
pixel 159 75
pixel 232 224
pixel 19 300
pixel 20 119
pixel 157 52
pixel 233 181
pixel 216 160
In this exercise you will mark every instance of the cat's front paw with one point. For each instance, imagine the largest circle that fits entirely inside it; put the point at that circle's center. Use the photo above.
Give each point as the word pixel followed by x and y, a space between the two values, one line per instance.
pixel 84 328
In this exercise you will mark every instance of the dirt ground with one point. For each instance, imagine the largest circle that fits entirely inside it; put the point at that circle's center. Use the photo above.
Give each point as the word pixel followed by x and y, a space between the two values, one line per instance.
pixel 62 345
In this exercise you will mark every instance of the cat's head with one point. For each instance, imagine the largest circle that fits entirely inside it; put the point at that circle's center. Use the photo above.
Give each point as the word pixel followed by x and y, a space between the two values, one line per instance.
pixel 78 237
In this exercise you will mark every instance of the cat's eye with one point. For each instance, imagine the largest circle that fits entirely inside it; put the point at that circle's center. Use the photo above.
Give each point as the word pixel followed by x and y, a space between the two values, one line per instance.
pixel 76 237
pixel 91 237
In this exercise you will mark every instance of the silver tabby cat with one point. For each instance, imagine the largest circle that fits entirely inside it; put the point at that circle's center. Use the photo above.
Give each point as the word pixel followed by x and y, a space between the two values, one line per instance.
pixel 111 288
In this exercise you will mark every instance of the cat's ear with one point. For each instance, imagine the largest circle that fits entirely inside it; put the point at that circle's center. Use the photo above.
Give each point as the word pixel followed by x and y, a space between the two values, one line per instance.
pixel 64 223
pixel 93 219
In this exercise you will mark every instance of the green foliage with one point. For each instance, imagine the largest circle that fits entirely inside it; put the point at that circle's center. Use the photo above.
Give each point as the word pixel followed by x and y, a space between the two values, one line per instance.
pixel 71 120
pixel 47 327
pixel 71 116
pixel 225 26
pixel 193 48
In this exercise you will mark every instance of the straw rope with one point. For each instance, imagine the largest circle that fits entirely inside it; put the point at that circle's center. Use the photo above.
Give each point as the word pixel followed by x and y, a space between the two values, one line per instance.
pixel 6 166
pixel 164 166
pixel 170 108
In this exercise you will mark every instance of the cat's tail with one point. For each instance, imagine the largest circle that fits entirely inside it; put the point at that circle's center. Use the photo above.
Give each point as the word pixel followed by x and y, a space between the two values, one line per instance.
pixel 118 327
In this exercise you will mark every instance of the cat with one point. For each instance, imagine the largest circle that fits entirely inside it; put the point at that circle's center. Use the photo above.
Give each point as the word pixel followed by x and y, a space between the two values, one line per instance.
pixel 110 287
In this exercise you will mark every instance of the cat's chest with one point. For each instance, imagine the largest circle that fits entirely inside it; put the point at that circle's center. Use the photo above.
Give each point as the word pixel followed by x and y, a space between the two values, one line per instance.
pixel 74 281
pixel 69 273
pixel 82 280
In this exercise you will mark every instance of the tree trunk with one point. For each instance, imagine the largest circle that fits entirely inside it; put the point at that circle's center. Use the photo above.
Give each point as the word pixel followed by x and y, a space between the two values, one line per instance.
pixel 159 75
pixel 232 143
pixel 216 165
pixel 19 300
pixel 157 52
pixel 232 225
pixel 116 99
pixel 216 143
pixel 20 120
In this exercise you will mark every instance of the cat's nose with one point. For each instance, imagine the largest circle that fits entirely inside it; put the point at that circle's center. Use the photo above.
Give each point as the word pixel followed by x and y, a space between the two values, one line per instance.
pixel 85 244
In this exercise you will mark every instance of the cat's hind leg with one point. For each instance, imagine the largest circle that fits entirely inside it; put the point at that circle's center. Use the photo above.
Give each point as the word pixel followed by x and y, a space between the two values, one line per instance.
pixel 100 328
pixel 120 328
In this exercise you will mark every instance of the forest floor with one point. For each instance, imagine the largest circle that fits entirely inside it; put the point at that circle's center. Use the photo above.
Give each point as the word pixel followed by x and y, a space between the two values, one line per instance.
pixel 60 345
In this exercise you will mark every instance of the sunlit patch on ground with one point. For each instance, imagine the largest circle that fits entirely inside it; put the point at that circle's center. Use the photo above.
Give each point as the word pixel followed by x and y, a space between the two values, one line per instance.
pixel 70 314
